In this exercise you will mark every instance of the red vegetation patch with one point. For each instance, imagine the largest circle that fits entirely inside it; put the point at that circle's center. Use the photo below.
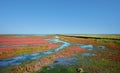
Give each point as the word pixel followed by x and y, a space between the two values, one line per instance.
pixel 21 40
pixel 116 57
pixel 77 49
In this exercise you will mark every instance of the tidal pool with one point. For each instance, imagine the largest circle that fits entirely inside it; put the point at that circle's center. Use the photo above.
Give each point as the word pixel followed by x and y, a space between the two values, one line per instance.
pixel 89 47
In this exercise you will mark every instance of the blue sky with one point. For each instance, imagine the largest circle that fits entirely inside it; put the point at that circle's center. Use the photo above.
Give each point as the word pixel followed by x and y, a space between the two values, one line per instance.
pixel 59 16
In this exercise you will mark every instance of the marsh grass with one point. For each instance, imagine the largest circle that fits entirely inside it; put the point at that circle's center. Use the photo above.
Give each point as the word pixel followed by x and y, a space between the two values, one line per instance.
pixel 59 69
pixel 108 40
